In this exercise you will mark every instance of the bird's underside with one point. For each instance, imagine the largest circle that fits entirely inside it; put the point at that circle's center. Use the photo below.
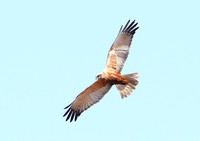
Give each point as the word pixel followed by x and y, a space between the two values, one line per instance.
pixel 110 76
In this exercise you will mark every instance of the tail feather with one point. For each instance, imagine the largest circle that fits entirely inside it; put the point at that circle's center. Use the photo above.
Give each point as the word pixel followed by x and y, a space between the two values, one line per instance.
pixel 127 89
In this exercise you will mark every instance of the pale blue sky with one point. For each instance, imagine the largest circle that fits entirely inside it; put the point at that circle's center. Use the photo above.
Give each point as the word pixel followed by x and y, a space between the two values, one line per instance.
pixel 52 50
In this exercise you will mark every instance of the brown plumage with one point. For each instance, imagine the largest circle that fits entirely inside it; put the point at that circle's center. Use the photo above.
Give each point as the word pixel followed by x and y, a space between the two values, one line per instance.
pixel 110 76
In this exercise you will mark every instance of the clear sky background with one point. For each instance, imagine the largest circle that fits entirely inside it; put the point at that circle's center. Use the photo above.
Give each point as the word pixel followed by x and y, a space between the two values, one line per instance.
pixel 52 50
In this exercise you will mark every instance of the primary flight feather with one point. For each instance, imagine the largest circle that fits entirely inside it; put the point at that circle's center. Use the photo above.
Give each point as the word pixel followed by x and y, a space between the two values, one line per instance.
pixel 110 76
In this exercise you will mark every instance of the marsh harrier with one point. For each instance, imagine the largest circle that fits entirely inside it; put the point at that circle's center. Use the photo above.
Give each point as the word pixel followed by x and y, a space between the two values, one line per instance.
pixel 110 76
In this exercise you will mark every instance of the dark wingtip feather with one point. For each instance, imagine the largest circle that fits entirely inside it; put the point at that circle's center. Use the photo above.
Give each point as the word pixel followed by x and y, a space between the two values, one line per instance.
pixel 126 26
pixel 66 112
pixel 120 29
pixel 69 115
pixel 76 116
pixel 67 106
pixel 133 31
pixel 72 116
pixel 130 28
pixel 133 27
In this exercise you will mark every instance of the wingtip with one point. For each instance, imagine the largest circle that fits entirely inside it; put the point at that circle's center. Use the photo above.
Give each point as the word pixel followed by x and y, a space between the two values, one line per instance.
pixel 68 106
pixel 130 28
pixel 126 26
pixel 72 115
pixel 136 28
pixel 66 112
pixel 69 115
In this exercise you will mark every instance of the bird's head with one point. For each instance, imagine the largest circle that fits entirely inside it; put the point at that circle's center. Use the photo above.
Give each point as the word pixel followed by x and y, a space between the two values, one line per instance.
pixel 99 76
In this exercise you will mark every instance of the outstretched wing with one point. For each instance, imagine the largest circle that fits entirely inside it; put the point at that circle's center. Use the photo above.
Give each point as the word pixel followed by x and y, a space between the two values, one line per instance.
pixel 119 50
pixel 87 98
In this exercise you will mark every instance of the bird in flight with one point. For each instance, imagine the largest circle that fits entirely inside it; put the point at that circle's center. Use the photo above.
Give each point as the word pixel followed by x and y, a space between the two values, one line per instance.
pixel 110 76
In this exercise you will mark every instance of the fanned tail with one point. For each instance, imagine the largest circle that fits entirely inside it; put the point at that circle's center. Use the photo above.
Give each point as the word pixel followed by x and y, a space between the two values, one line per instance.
pixel 127 89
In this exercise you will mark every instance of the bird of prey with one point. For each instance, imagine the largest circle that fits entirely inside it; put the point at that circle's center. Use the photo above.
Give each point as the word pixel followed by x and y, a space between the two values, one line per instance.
pixel 110 76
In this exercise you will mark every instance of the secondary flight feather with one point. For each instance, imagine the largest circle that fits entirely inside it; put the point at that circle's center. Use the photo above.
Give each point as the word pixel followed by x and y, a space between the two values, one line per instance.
pixel 110 76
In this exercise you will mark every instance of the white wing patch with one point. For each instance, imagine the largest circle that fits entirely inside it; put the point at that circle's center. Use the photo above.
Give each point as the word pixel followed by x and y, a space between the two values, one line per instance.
pixel 90 99
pixel 121 57
pixel 121 46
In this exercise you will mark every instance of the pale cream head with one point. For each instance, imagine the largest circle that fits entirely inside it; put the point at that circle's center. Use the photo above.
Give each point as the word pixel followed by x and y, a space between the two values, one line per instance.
pixel 99 76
